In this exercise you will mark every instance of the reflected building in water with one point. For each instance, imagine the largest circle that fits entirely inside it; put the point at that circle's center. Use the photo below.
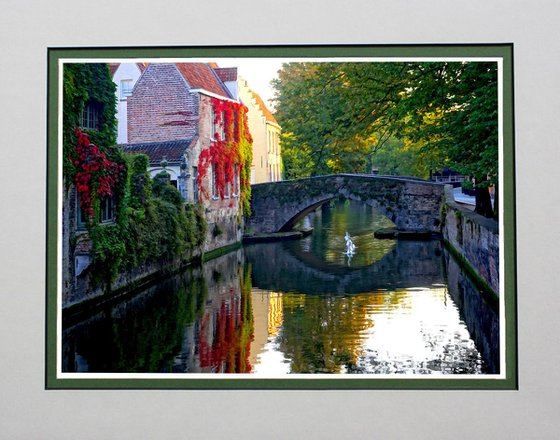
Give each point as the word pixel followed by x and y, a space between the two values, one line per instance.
pixel 268 316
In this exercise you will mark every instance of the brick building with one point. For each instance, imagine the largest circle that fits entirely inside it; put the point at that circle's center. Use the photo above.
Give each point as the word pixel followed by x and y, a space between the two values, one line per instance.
pixel 171 119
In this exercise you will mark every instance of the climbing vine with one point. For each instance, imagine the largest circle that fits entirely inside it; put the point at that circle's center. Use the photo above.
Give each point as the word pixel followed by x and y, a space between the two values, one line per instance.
pixel 95 175
pixel 87 84
pixel 230 153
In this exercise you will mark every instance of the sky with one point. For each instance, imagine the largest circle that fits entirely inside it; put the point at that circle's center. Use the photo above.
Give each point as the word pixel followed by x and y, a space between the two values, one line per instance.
pixel 258 72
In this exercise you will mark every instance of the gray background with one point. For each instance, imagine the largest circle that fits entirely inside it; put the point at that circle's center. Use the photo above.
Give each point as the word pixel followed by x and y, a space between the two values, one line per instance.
pixel 29 412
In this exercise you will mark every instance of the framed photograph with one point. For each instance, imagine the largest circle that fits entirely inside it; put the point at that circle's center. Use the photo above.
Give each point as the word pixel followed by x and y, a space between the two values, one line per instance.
pixel 281 217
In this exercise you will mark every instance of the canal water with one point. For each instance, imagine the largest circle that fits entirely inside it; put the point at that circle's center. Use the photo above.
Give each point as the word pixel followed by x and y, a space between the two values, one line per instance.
pixel 303 306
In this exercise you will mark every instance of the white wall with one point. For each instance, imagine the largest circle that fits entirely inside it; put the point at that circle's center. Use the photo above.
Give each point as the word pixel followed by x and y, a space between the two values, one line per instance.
pixel 124 72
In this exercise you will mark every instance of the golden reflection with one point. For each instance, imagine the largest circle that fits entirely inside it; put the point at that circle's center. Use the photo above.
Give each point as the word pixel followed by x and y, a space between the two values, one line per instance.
pixel 318 334
pixel 275 313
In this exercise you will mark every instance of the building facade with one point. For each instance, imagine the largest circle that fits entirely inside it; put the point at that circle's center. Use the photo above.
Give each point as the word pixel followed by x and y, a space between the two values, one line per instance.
pixel 267 161
pixel 172 118
pixel 125 76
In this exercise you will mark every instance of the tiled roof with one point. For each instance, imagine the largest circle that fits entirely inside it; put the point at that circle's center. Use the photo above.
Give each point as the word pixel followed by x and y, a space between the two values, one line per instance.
pixel 266 112
pixel 157 151
pixel 201 76
pixel 226 73
pixel 113 68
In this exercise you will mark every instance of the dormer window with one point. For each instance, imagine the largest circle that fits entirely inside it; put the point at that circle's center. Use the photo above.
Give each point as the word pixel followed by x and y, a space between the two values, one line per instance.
pixel 90 116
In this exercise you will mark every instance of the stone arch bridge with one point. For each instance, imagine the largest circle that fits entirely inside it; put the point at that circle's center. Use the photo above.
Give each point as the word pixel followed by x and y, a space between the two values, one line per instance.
pixel 412 204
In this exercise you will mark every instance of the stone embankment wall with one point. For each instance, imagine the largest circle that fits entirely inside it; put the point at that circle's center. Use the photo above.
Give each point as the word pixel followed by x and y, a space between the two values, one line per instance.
pixel 474 237
pixel 85 289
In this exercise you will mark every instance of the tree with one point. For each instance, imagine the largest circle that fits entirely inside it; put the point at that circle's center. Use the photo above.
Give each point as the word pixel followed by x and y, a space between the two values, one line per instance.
pixel 334 114
pixel 337 116
pixel 452 109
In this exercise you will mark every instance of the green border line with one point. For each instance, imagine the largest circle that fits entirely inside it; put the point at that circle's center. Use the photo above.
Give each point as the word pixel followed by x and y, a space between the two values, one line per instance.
pixel 498 50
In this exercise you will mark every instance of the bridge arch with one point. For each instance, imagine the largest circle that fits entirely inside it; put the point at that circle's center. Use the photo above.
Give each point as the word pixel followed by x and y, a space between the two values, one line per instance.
pixel 412 204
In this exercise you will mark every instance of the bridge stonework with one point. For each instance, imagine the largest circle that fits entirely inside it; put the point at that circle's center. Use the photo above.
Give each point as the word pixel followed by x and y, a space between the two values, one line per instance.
pixel 413 205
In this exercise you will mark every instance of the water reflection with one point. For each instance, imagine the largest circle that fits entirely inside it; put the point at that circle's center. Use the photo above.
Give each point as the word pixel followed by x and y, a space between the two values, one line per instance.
pixel 330 224
pixel 280 308
pixel 413 331
pixel 200 321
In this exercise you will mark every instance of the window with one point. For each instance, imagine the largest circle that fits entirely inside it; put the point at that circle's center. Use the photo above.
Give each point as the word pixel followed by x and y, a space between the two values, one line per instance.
pixel 126 88
pixel 214 181
pixel 81 218
pixel 235 180
pixel 227 184
pixel 217 127
pixel 236 133
pixel 226 190
pixel 195 184
pixel 222 126
pixel 107 210
pixel 90 116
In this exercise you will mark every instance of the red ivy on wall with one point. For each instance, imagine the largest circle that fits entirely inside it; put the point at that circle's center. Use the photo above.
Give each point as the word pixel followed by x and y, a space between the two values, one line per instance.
pixel 234 149
pixel 96 175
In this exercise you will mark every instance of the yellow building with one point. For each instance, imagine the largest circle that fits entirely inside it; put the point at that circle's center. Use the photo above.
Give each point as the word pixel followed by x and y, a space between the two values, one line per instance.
pixel 267 162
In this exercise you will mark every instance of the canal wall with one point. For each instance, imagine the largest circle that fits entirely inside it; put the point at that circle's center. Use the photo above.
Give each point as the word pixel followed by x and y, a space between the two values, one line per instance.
pixel 474 238
pixel 88 291
pixel 480 316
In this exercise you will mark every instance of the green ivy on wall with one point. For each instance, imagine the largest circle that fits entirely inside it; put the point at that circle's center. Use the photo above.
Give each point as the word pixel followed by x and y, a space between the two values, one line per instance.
pixel 151 221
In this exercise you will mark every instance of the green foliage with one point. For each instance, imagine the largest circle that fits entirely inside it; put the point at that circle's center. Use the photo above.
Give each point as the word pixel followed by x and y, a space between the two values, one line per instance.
pixel 453 109
pixel 397 159
pixel 152 224
pixel 85 83
pixel 109 249
pixel 164 227
pixel 406 118
pixel 334 114
pixel 163 189
pixel 140 182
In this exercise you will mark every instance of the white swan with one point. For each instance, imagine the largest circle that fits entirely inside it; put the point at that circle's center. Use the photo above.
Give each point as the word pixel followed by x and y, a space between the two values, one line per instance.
pixel 350 246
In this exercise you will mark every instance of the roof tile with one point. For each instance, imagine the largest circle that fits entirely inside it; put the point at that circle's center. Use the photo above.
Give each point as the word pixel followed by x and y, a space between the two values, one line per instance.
pixel 201 76
pixel 226 73
pixel 157 151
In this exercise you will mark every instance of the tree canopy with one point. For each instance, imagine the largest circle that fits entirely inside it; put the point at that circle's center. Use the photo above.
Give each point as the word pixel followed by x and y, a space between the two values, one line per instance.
pixel 404 117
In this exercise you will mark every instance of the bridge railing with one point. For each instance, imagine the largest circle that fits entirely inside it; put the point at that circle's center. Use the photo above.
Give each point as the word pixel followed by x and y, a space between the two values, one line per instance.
pixel 449 179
